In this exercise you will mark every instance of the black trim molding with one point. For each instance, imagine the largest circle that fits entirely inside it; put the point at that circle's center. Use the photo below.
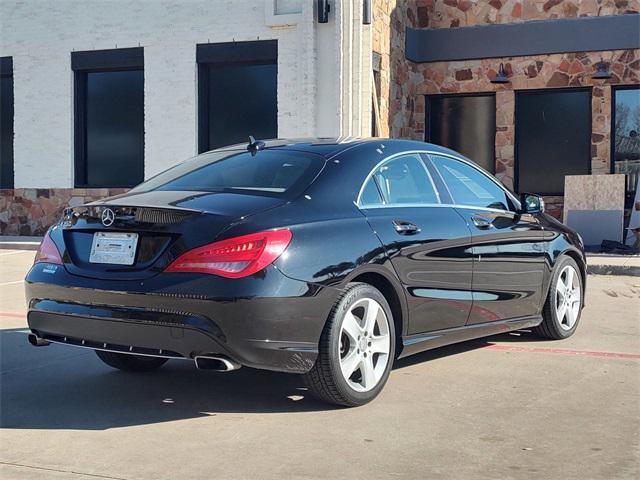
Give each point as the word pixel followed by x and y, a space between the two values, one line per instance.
pixel 103 60
pixel 237 52
pixel 583 34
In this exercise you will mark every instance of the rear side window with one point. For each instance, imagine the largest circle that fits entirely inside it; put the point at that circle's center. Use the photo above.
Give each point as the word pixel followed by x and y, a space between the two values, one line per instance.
pixel 370 194
pixel 469 186
pixel 402 180
pixel 277 173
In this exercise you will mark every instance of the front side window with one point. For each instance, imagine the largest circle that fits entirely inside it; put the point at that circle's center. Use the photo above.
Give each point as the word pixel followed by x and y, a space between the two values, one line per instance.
pixel 468 186
pixel 402 180
pixel 271 173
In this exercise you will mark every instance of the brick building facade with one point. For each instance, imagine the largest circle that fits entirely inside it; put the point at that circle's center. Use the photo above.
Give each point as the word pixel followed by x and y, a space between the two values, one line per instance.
pixel 316 83
pixel 404 85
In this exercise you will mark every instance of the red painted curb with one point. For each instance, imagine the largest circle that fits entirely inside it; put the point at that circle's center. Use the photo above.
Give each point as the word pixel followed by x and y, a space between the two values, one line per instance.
pixel 13 315
pixel 564 351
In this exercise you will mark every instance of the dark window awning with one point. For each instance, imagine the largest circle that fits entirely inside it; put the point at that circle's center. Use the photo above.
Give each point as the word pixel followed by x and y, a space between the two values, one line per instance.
pixel 583 34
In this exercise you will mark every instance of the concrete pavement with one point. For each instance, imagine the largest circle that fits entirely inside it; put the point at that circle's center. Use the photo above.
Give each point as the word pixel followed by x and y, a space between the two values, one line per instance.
pixel 510 406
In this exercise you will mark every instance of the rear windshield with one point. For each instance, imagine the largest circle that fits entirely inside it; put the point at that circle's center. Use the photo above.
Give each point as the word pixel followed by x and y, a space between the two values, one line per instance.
pixel 276 173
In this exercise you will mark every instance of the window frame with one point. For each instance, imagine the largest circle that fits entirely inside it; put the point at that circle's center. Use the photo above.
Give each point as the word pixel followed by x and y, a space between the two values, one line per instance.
pixel 516 160
pixel 252 52
pixel 98 61
pixel 429 165
pixel 427 111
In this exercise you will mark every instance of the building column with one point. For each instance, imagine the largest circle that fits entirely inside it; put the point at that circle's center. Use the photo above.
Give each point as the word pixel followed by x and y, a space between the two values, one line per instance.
pixel 505 138
pixel 43 119
pixel 169 104
pixel 601 112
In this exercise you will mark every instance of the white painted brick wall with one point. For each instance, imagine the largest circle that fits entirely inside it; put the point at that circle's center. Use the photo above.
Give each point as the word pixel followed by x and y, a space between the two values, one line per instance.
pixel 40 36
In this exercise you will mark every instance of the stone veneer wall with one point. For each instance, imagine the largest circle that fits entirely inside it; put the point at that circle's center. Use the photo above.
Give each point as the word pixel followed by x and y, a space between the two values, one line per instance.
pixel 404 84
pixel 30 211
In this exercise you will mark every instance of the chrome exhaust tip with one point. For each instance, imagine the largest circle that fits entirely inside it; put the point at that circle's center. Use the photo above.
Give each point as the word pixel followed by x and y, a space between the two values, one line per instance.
pixel 216 363
pixel 36 341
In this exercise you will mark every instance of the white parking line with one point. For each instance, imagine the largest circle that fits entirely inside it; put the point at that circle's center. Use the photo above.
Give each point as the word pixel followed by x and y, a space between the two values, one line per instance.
pixel 11 283
pixel 13 252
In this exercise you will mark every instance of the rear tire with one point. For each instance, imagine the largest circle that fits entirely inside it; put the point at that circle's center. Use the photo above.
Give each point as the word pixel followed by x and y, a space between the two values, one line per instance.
pixel 130 363
pixel 563 307
pixel 356 349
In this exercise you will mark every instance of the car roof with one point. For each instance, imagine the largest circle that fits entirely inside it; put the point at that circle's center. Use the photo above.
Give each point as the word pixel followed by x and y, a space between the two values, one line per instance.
pixel 331 146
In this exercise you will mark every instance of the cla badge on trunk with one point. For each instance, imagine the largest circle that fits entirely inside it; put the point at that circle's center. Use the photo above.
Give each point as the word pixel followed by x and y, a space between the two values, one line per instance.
pixel 108 217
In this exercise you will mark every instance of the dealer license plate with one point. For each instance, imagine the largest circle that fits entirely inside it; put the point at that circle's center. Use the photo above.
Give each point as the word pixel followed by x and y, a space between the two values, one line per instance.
pixel 114 248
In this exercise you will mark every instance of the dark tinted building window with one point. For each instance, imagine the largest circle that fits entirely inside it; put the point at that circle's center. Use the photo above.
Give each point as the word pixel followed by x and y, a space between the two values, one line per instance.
pixel 464 123
pixel 109 123
pixel 553 138
pixel 6 122
pixel 238 92
pixel 626 137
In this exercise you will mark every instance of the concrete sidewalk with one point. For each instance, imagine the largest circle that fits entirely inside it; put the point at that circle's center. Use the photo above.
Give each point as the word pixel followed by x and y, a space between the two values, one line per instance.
pixel 607 264
pixel 597 263
pixel 8 242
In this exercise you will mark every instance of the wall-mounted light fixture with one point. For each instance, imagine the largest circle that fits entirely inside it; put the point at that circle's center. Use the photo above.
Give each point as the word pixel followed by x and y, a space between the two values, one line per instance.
pixel 602 71
pixel 323 11
pixel 366 12
pixel 501 76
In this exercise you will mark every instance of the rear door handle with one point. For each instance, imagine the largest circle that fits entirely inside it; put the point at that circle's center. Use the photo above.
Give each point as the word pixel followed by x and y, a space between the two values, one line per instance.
pixel 405 228
pixel 481 222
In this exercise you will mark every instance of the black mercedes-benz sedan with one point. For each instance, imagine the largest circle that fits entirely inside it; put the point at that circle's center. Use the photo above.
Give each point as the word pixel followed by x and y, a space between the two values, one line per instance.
pixel 324 258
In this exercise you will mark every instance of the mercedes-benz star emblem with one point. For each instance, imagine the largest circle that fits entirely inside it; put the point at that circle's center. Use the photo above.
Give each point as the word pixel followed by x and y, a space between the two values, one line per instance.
pixel 108 217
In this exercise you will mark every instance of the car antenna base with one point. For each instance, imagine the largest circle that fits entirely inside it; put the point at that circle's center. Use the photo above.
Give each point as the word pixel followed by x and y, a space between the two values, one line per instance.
pixel 255 145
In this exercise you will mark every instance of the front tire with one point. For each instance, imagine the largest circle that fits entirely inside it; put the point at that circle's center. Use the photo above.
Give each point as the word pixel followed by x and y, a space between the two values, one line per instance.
pixel 356 349
pixel 130 363
pixel 563 307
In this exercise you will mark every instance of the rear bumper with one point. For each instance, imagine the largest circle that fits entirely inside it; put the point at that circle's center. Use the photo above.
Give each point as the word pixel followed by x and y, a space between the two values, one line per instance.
pixel 125 335
pixel 271 322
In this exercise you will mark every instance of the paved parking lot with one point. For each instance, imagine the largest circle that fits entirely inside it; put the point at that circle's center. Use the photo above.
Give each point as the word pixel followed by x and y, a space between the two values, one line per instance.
pixel 506 407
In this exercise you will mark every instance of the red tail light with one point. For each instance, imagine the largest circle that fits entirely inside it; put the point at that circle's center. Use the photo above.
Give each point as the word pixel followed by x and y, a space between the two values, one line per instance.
pixel 48 252
pixel 235 257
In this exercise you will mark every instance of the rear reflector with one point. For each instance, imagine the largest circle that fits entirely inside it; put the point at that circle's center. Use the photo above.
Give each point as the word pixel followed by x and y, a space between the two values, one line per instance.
pixel 235 257
pixel 48 252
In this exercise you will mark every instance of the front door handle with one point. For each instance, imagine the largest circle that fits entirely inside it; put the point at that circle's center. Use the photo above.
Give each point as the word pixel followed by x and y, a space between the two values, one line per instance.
pixel 482 223
pixel 405 228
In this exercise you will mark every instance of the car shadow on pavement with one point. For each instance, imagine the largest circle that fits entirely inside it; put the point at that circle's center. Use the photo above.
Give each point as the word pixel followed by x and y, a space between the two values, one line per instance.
pixel 58 387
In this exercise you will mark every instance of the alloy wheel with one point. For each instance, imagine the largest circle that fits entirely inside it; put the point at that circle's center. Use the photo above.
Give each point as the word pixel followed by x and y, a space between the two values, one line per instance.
pixel 568 297
pixel 365 344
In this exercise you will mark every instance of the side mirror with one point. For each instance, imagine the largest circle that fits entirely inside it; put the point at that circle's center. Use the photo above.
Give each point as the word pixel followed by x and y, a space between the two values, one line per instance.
pixel 531 203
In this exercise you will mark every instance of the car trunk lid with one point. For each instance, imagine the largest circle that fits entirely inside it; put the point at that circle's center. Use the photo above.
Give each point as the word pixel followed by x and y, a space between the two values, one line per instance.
pixel 166 224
